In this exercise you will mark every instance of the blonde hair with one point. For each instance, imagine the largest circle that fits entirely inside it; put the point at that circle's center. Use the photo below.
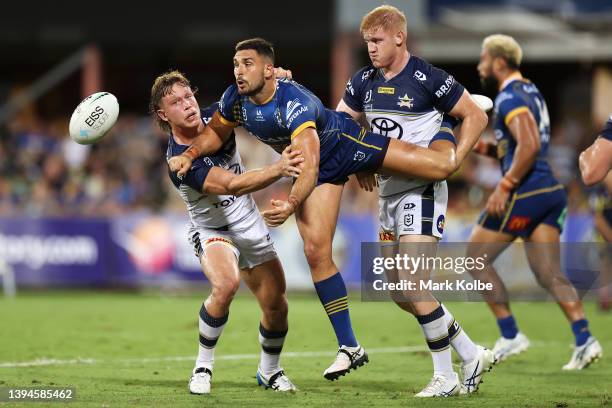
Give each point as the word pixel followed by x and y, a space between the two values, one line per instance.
pixel 162 87
pixel 385 17
pixel 504 46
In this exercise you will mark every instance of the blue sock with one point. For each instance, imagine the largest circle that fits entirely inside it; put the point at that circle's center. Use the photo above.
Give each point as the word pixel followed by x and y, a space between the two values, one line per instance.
pixel 507 326
pixel 581 331
pixel 333 296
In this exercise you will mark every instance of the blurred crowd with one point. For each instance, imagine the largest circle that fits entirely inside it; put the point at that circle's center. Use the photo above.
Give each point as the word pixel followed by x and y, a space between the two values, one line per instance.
pixel 44 173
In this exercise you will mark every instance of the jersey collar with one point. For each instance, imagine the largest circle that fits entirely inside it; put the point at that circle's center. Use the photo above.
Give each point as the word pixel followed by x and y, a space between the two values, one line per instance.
pixel 514 77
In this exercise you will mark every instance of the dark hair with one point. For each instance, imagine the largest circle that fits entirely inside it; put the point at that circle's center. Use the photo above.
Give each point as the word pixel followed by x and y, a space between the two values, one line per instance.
pixel 162 87
pixel 261 46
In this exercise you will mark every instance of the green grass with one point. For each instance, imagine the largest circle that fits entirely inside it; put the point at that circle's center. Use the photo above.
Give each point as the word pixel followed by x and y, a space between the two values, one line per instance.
pixel 119 331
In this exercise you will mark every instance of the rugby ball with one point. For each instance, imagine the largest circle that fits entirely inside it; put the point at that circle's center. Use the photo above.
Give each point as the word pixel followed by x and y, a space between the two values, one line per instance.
pixel 485 103
pixel 94 117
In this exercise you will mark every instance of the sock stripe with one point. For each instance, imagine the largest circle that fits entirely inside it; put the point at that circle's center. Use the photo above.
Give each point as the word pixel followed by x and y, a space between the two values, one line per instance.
pixel 336 307
pixel 210 320
pixel 270 334
pixel 336 311
pixel 272 350
pixel 435 315
pixel 206 342
pixel 333 302
pixel 438 345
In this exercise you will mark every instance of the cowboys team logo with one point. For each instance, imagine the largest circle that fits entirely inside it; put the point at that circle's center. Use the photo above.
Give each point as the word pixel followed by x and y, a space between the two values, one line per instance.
pixel 405 101
pixel 387 127
pixel 440 224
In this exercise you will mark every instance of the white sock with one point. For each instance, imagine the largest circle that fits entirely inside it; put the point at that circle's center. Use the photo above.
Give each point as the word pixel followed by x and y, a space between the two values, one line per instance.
pixel 271 347
pixel 436 333
pixel 461 342
pixel 210 329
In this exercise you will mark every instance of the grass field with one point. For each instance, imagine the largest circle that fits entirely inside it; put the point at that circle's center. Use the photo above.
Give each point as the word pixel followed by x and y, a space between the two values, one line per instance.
pixel 138 350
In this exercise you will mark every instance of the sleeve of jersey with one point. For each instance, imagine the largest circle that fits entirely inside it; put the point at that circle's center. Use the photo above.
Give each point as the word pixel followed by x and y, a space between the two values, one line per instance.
pixel 226 106
pixel 445 89
pixel 510 107
pixel 606 133
pixel 301 113
pixel 352 93
pixel 196 176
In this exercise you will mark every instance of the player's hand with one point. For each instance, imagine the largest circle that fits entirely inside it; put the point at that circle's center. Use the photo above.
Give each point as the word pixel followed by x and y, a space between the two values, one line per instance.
pixel 281 210
pixel 497 202
pixel 289 161
pixel 367 181
pixel 281 73
pixel 181 164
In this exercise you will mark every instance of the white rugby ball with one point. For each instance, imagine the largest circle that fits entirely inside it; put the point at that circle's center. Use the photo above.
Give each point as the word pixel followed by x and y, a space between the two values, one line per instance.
pixel 485 103
pixel 94 117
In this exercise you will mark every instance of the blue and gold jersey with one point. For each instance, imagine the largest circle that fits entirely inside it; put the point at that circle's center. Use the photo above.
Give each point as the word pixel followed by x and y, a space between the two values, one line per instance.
pixel 516 97
pixel 407 107
pixel 290 110
pixel 606 133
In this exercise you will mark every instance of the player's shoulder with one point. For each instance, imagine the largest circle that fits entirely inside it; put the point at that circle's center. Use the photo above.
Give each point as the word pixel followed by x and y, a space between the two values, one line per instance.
pixel 207 112
pixel 289 90
pixel 509 97
pixel 365 73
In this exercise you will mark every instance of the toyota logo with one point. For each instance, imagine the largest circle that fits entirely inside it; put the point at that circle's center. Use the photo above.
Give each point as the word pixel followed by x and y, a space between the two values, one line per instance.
pixel 387 127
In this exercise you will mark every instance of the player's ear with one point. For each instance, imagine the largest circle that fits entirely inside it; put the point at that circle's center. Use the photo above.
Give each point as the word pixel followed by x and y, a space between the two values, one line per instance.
pixel 498 64
pixel 269 71
pixel 162 115
pixel 400 38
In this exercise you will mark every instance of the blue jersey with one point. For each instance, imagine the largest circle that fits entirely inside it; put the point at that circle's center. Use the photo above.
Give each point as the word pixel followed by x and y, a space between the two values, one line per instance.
pixel 210 210
pixel 516 97
pixel 606 133
pixel 345 147
pixel 407 107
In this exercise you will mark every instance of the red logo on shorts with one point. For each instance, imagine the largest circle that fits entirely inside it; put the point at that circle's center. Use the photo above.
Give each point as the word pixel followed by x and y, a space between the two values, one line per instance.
pixel 518 222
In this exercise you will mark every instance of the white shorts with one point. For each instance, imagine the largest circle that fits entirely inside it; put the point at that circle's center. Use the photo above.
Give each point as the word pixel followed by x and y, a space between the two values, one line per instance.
pixel 249 239
pixel 416 212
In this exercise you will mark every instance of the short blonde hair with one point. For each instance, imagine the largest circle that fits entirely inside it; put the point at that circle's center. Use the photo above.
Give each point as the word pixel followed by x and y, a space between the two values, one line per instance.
pixel 504 46
pixel 385 17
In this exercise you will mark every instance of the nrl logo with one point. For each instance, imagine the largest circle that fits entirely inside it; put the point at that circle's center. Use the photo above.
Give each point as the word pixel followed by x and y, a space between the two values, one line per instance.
pixel 405 101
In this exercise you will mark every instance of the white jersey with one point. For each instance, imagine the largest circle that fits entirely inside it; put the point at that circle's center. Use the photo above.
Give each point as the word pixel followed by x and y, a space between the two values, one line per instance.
pixel 407 107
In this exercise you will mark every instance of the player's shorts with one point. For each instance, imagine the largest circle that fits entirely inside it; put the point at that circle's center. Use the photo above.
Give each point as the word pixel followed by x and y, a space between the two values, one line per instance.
pixel 249 239
pixel 416 212
pixel 357 150
pixel 542 201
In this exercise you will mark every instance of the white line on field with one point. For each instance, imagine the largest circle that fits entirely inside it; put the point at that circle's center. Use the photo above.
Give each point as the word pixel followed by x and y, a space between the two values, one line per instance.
pixel 290 354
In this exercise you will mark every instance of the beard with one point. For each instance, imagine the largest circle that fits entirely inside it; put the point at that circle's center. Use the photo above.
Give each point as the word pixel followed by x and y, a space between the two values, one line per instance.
pixel 489 85
pixel 254 90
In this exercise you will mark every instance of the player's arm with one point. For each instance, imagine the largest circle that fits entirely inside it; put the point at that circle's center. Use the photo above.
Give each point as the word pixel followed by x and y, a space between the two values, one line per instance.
pixel 208 142
pixel 307 142
pixel 596 161
pixel 525 131
pixel 358 116
pixel 474 121
pixel 221 181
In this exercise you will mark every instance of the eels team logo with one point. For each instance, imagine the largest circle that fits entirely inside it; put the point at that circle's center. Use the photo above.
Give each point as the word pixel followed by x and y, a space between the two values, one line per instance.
pixel 440 224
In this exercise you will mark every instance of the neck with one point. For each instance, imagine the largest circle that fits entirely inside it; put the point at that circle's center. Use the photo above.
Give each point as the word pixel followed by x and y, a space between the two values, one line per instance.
pixel 185 136
pixel 397 65
pixel 265 94
pixel 509 77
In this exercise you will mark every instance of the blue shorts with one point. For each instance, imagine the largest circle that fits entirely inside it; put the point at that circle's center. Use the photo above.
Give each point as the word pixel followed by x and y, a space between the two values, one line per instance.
pixel 357 150
pixel 542 201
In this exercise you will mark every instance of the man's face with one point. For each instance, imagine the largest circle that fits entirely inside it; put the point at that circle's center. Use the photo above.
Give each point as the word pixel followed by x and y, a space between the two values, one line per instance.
pixel 179 107
pixel 249 70
pixel 485 72
pixel 383 47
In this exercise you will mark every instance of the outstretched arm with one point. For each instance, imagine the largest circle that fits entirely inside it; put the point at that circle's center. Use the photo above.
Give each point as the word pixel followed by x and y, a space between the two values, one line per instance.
pixel 206 143
pixel 307 142
pixel 221 181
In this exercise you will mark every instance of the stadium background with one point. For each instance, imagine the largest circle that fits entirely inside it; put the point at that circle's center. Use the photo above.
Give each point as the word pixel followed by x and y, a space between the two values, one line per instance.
pixel 107 217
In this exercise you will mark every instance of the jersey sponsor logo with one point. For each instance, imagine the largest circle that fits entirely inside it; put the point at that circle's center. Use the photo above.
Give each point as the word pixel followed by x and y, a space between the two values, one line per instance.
pixel 359 156
pixel 518 222
pixel 440 224
pixel 368 97
pixel 446 87
pixel 291 106
pixel 409 206
pixel 388 90
pixel 295 114
pixel 405 101
pixel 244 114
pixel 349 87
pixel 420 76
pixel 225 203
pixel 387 127
pixel 208 161
pixel 259 116
pixel 366 74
